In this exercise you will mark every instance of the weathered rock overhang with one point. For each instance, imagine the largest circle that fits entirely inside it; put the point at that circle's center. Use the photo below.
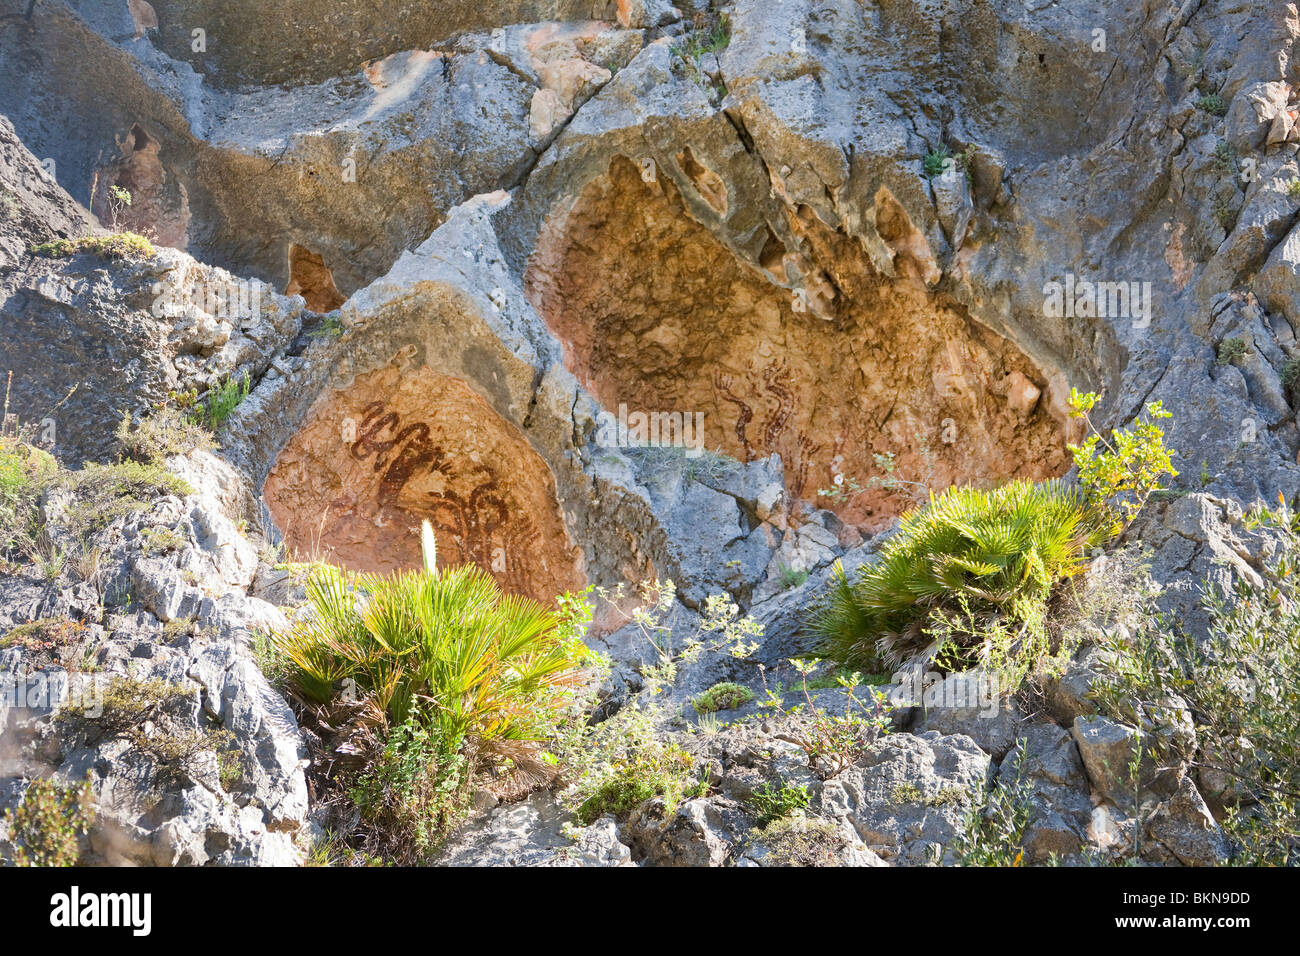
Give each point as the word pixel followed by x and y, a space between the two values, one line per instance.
pixel 871 387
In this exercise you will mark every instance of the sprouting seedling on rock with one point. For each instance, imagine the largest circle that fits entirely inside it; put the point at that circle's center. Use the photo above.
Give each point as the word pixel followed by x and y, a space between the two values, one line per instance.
pixel 118 200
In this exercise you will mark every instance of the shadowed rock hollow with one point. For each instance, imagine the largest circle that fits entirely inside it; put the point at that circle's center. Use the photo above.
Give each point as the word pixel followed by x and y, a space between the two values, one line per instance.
pixel 656 314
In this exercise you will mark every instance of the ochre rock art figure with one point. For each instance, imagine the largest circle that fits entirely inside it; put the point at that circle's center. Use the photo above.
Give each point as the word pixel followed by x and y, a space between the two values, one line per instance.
pixel 375 459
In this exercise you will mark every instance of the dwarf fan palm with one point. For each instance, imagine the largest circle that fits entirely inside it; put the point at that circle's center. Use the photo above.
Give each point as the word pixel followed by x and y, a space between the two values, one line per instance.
pixel 443 646
pixel 984 556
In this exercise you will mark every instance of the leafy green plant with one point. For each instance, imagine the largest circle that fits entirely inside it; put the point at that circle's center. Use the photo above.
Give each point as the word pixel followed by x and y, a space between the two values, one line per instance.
pixel 413 792
pixel 721 628
pixel 48 640
pixel 222 401
pixel 654 769
pixel 832 741
pixel 802 840
pixel 722 696
pixel 24 473
pixel 166 432
pixel 160 540
pixel 1239 682
pixel 790 578
pixel 977 557
pixel 1212 103
pixel 46 827
pixel 482 664
pixel 1225 159
pixel 936 161
pixel 1290 374
pixel 708 36
pixel 771 803
pixel 1120 474
pixel 1230 350
pixel 106 492
pixel 119 200
pixel 993 831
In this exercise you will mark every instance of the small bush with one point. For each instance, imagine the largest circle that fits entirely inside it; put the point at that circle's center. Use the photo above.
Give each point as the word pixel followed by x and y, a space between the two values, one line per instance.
pixel 127 709
pixel 25 471
pixel 1240 685
pixel 936 161
pixel 1225 159
pixel 722 696
pixel 222 401
pixel 1290 374
pixel 994 828
pixel 1230 350
pixel 1213 104
pixel 412 792
pixel 106 492
pixel 120 245
pixel 771 803
pixel 46 639
pixel 709 36
pixel 832 742
pixel 46 827
pixel 653 770
pixel 166 432
pixel 799 840
pixel 790 578
pixel 1119 474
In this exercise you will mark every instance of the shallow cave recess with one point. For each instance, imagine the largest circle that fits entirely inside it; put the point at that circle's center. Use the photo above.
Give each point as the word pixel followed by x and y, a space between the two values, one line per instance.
pixel 159 205
pixel 310 278
pixel 374 459
pixel 810 352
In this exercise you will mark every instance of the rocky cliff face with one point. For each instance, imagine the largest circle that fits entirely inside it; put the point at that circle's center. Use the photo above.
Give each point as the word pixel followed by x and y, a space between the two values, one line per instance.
pixel 458 250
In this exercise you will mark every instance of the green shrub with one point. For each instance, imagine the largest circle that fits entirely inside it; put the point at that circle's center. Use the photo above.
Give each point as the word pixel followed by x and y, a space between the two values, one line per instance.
pixel 936 161
pixel 722 696
pixel 1225 158
pixel 106 492
pixel 222 401
pixel 1119 474
pixel 412 793
pixel 799 840
pixel 994 828
pixel 166 432
pixel 832 741
pixel 709 36
pixel 46 827
pixel 120 245
pixel 1230 350
pixel 1240 684
pixel 48 640
pixel 491 666
pixel 24 473
pixel 1290 374
pixel 1213 104
pixel 128 705
pixel 771 803
pixel 790 578
pixel 966 578
pixel 653 770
